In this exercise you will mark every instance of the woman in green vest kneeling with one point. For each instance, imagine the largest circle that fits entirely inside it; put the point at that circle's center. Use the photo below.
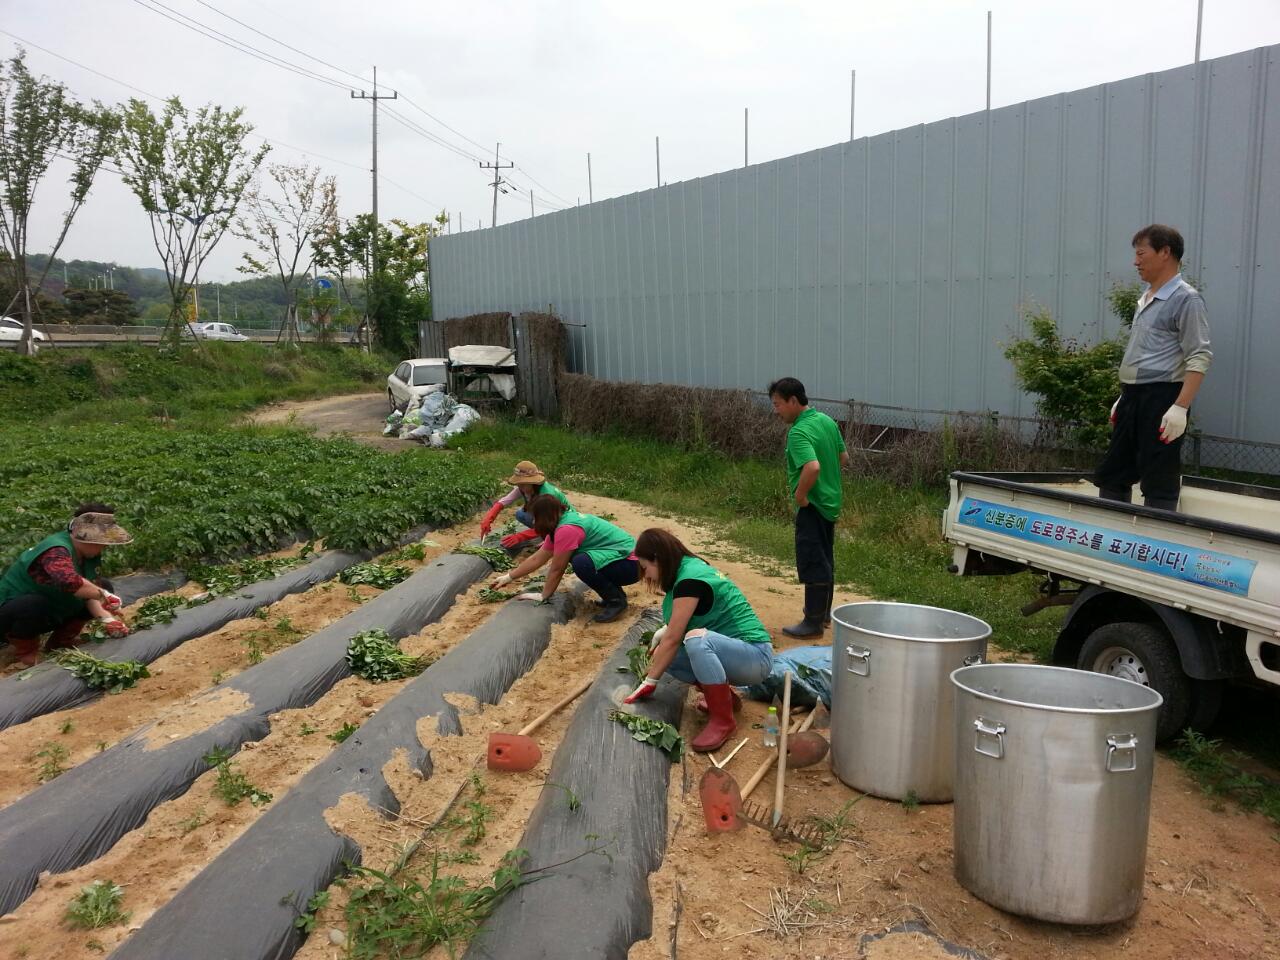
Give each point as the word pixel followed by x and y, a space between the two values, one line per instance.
pixel 711 637
pixel 526 483
pixel 600 553
pixel 54 585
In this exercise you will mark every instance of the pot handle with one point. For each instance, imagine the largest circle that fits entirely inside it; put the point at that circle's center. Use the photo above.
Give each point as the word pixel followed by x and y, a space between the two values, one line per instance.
pixel 972 659
pixel 988 738
pixel 1122 753
pixel 859 662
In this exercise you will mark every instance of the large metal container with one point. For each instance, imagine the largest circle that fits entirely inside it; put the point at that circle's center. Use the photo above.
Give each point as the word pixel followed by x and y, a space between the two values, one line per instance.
pixel 1053 790
pixel 891 710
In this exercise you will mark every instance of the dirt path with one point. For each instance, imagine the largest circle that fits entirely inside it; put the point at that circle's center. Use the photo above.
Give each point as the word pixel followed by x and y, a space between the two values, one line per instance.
pixel 360 416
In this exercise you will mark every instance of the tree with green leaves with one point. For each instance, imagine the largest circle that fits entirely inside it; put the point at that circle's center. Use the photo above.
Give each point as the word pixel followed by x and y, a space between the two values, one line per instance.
pixel 398 296
pixel 100 306
pixel 40 122
pixel 189 170
pixel 282 222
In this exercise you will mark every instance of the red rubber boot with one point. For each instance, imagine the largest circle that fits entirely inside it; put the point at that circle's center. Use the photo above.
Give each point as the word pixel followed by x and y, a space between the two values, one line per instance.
pixel 720 723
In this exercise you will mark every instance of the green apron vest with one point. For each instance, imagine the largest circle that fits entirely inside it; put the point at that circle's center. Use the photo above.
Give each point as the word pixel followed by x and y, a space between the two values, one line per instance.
pixel 18 582
pixel 730 614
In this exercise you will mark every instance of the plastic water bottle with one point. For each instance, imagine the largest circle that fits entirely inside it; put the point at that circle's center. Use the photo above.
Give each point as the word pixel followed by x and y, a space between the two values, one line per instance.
pixel 771 728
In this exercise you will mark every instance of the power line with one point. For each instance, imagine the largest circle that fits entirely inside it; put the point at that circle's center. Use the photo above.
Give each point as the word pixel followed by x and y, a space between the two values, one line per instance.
pixel 354 76
pixel 155 6
pixel 440 141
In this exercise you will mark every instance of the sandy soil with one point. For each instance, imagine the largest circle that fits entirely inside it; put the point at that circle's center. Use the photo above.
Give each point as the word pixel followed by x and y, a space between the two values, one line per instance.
pixel 1213 887
pixel 359 415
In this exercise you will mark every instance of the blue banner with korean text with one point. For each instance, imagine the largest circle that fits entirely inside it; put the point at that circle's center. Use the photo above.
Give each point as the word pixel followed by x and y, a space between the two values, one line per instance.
pixel 1219 571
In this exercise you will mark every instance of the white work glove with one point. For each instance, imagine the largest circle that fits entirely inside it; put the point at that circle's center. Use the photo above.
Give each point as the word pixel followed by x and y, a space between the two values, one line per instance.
pixel 657 637
pixel 644 691
pixel 1173 424
pixel 1114 407
pixel 501 580
pixel 110 602
pixel 533 595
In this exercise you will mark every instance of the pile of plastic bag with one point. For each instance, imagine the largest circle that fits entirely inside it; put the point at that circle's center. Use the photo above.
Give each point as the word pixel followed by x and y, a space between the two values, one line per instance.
pixel 437 418
pixel 810 677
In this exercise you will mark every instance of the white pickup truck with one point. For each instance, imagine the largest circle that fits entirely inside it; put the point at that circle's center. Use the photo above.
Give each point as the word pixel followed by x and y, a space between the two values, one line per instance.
pixel 1183 602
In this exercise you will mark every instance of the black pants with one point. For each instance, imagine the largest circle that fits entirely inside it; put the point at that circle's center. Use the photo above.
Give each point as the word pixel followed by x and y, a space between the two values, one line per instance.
pixel 815 546
pixel 620 573
pixel 1137 454
pixel 31 614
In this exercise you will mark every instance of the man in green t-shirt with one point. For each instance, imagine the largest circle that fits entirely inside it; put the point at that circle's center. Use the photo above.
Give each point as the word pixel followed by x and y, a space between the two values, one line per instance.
pixel 815 454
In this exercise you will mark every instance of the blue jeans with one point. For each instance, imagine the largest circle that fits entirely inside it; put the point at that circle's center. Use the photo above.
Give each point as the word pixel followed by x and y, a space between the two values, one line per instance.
pixel 710 658
pixel 525 517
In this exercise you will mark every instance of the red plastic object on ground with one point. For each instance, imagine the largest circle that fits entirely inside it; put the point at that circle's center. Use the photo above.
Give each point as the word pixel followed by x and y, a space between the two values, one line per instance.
pixel 512 753
pixel 721 801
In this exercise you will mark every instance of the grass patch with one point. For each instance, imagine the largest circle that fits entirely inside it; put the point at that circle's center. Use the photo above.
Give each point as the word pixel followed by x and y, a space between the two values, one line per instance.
pixel 888 542
pixel 213 385
pixel 1221 775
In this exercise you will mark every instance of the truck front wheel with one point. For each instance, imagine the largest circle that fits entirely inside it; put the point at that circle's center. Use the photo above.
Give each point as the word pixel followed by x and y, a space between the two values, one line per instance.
pixel 1146 654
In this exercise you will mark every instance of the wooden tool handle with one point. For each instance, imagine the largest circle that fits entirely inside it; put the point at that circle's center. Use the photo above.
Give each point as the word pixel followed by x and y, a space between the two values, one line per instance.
pixel 800 727
pixel 780 785
pixel 542 718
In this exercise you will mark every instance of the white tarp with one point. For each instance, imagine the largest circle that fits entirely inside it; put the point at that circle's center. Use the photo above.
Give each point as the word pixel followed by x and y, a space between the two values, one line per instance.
pixel 480 355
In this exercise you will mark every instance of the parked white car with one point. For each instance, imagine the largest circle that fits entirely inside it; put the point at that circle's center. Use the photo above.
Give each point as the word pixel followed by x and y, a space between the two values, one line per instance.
pixel 414 379
pixel 11 329
pixel 218 331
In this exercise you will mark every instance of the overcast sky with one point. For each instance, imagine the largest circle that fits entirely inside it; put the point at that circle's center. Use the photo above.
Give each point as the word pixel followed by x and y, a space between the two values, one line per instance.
pixel 555 79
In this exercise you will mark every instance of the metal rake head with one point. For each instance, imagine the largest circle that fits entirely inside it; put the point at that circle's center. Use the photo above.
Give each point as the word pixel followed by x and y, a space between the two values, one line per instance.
pixel 762 816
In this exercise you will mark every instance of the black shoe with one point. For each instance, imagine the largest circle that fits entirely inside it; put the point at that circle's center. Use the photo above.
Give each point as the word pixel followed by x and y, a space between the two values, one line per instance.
pixel 805 628
pixel 816 606
pixel 612 605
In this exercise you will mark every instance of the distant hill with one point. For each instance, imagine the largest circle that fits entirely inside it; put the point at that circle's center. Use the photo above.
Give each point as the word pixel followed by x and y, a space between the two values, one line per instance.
pixel 252 302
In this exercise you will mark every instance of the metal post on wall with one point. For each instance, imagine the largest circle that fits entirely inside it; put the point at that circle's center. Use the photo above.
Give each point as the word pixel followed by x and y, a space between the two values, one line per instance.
pixel 853 98
pixel 657 159
pixel 591 195
pixel 1199 26
pixel 746 127
pixel 988 60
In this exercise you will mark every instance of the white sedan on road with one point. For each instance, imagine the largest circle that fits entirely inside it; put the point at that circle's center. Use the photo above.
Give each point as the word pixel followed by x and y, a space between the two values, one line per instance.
pixel 219 331
pixel 11 329
pixel 414 379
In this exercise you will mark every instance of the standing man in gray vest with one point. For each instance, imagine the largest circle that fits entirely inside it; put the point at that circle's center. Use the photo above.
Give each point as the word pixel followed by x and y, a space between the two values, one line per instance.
pixel 1160 375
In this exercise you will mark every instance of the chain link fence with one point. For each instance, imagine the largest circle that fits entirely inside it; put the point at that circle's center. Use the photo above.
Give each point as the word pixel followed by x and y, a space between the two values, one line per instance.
pixel 986 440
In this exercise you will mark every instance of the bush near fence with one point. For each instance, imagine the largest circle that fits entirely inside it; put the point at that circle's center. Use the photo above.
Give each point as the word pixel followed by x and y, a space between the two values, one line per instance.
pixel 731 422
pixel 740 424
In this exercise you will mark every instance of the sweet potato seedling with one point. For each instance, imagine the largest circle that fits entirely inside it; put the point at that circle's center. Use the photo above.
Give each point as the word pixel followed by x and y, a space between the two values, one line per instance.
pixel 97 905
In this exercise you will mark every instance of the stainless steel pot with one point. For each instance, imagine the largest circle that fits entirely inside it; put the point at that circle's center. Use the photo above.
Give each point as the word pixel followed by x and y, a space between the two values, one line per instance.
pixel 891 706
pixel 1053 790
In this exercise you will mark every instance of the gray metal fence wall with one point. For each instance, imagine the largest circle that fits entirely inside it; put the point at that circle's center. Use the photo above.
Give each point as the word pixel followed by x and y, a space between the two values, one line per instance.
pixel 891 269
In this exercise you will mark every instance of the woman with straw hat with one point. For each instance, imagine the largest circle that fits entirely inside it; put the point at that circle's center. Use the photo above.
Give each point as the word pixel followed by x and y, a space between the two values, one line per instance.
pixel 54 585
pixel 526 482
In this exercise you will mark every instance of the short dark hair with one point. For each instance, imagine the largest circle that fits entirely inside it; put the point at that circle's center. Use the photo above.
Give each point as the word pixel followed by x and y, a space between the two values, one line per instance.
pixel 665 549
pixel 1158 236
pixel 546 511
pixel 789 388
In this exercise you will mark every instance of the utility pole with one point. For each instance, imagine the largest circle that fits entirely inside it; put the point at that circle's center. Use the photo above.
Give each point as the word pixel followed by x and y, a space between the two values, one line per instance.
pixel 373 243
pixel 853 99
pixel 591 197
pixel 988 61
pixel 657 159
pixel 531 213
pixel 746 127
pixel 217 292
pixel 497 169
